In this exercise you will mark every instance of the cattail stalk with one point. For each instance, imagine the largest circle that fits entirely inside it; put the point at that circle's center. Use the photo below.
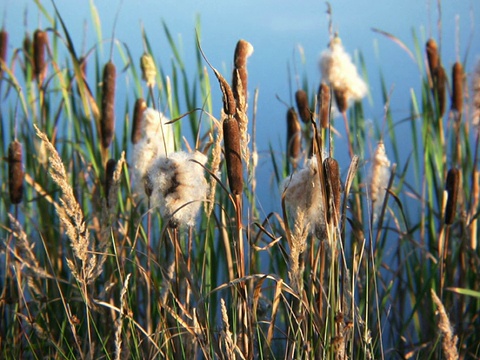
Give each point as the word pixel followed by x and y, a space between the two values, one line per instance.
pixel 294 137
pixel 301 100
pixel 107 117
pixel 3 50
pixel 40 41
pixel 140 107
pixel 15 172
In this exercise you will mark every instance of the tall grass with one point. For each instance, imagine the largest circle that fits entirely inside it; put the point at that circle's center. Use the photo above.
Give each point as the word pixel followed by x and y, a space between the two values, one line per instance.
pixel 378 263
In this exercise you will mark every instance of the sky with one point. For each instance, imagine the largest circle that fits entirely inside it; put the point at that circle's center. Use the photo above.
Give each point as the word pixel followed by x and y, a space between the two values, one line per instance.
pixel 286 35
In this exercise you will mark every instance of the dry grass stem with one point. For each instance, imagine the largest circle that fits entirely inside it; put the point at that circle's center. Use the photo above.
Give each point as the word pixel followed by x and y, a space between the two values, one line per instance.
pixel 15 172
pixel 121 316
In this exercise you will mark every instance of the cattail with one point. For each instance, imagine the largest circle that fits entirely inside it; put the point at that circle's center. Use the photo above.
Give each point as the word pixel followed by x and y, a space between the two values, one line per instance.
pixel 109 171
pixel 324 103
pixel 140 107
pixel 440 89
pixel 3 49
pixel 294 136
pixel 233 156
pixel 453 181
pixel 40 41
pixel 15 172
pixel 380 174
pixel 242 51
pixel 432 57
pixel 303 196
pixel 457 91
pixel 179 186
pixel 149 71
pixel 107 117
pixel 339 71
pixel 331 171
pixel 157 139
pixel 301 100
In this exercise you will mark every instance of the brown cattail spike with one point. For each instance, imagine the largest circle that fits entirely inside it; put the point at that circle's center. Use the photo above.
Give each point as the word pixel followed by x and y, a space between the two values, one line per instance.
pixel 453 181
pixel 242 51
pixel 294 136
pixel 109 171
pixel 432 57
pixel 440 89
pixel 324 103
pixel 331 171
pixel 140 107
pixel 107 117
pixel 457 91
pixel 233 155
pixel 301 99
pixel 40 41
pixel 341 100
pixel 3 50
pixel 15 172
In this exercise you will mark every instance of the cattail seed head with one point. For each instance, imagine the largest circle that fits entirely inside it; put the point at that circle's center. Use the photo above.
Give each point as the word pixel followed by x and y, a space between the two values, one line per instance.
pixel 243 50
pixel 476 94
pixel 109 171
pixel 440 89
pixel 40 41
pixel 140 107
pixel 453 182
pixel 324 102
pixel 341 74
pixel 149 71
pixel 432 56
pixel 107 117
pixel 457 91
pixel 233 156
pixel 178 186
pixel 229 102
pixel 331 172
pixel 294 136
pixel 3 49
pixel 15 172
pixel 301 99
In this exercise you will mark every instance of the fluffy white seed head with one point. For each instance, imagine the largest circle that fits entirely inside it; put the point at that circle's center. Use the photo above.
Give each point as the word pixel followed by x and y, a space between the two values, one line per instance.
pixel 157 140
pixel 340 72
pixel 304 196
pixel 179 186
pixel 380 175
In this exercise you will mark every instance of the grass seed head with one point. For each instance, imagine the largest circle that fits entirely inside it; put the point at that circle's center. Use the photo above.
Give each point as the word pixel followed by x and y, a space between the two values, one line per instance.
pixel 324 102
pixel 140 107
pixel 40 41
pixel 453 181
pixel 149 71
pixel 457 91
pixel 301 100
pixel 15 172
pixel 107 118
pixel 3 49
pixel 233 155
pixel 380 174
pixel 294 136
